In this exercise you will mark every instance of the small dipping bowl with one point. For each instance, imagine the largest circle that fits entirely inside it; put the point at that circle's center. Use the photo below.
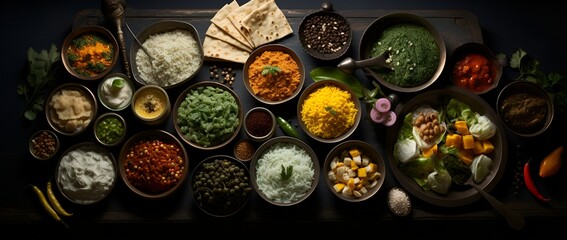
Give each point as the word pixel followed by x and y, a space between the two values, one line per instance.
pixel 151 104
pixel 259 124
pixel 110 129
pixel 115 91
pixel 473 66
pixel 44 144
pixel 244 149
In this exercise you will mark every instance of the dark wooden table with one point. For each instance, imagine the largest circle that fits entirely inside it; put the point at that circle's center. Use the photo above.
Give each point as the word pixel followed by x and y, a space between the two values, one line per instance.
pixel 123 212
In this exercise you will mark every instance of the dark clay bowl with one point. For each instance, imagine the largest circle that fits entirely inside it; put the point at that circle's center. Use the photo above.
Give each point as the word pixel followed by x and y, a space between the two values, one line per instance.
pixel 337 47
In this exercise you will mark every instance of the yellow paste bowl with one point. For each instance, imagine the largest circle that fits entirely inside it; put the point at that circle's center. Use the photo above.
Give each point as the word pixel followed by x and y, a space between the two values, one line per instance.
pixel 326 116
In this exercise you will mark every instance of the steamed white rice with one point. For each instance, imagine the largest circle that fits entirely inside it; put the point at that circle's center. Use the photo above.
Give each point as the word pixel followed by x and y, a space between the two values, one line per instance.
pixel 269 167
pixel 176 54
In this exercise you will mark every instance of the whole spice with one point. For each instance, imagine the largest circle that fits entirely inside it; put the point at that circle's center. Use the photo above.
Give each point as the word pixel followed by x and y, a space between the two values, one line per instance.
pixel 530 185
pixel 326 33
pixel 551 164
pixel 244 150
pixel 259 123
pixel 44 145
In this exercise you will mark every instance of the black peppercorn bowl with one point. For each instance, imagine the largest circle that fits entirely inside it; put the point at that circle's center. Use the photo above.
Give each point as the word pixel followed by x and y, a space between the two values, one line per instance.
pixel 325 34
pixel 220 185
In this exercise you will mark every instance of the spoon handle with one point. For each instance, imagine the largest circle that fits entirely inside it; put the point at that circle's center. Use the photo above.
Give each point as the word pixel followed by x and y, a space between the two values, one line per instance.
pixel 515 220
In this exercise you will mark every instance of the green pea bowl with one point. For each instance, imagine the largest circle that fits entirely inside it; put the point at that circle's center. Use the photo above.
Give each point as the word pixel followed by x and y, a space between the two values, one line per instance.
pixel 110 129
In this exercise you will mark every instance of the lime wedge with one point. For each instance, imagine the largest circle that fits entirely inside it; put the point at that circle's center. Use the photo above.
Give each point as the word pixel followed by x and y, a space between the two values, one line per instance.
pixel 118 83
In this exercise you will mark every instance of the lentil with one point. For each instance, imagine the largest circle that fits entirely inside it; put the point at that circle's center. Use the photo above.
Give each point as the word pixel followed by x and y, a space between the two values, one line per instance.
pixel 259 123
pixel 109 130
pixel 44 145
pixel 154 166
pixel 327 33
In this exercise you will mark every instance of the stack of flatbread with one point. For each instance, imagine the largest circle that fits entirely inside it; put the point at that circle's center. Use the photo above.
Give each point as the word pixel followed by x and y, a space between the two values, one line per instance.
pixel 237 30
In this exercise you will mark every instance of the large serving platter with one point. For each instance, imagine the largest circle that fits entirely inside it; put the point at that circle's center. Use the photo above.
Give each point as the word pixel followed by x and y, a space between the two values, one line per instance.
pixel 460 196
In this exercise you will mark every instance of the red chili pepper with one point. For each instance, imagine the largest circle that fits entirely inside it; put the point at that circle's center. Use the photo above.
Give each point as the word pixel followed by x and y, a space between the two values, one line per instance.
pixel 530 185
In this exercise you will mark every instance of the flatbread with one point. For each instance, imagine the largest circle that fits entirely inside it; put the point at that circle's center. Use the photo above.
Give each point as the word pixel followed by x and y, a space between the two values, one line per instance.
pixel 221 20
pixel 216 49
pixel 215 32
pixel 236 17
pixel 266 23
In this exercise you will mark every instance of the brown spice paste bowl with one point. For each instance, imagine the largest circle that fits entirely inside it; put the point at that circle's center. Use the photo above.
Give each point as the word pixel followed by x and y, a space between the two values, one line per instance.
pixel 316 86
pixel 257 53
pixel 103 34
pixel 375 30
pixel 514 114
pixel 152 136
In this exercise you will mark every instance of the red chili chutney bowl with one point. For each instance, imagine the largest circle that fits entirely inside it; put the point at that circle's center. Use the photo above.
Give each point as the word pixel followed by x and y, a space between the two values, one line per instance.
pixel 473 66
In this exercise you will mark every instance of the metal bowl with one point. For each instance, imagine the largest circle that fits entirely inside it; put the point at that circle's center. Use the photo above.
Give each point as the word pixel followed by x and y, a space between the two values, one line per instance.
pixel 103 137
pixel 86 173
pixel 129 155
pixel 53 108
pixel 463 54
pixel 113 98
pixel 369 184
pixel 44 144
pixel 198 88
pixel 314 87
pixel 257 171
pixel 103 34
pixel 151 94
pixel 160 28
pixel 374 31
pixel 525 93
pixel 257 53
pixel 338 49
pixel 248 125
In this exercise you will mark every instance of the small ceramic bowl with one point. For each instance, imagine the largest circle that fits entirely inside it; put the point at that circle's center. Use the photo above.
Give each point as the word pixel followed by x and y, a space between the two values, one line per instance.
pixel 71 108
pixel 473 66
pixel 93 65
pixel 525 108
pixel 110 129
pixel 115 91
pixel 44 144
pixel 244 149
pixel 151 104
pixel 259 124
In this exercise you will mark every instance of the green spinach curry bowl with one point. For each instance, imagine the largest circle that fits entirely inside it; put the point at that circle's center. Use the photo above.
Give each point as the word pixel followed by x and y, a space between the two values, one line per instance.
pixel 417 52
pixel 89 52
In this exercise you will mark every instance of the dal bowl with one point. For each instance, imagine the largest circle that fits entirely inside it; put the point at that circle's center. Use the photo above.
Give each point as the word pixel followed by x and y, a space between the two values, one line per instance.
pixel 86 173
pixel 387 29
pixel 208 115
pixel 70 108
pixel 364 167
pixel 328 111
pixel 525 108
pixel 176 54
pixel 89 52
pixel 299 164
pixel 153 164
pixel 270 81
pixel 206 180
pixel 473 66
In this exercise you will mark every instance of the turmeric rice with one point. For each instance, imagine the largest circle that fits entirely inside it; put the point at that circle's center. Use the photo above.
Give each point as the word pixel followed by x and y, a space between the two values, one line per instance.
pixel 328 112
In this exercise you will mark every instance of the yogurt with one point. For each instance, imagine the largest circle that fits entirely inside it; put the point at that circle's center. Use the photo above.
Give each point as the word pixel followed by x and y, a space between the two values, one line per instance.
pixel 114 97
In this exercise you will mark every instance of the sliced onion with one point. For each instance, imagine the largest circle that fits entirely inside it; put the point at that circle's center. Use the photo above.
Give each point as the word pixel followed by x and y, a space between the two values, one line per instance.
pixel 377 116
pixel 390 118
pixel 383 105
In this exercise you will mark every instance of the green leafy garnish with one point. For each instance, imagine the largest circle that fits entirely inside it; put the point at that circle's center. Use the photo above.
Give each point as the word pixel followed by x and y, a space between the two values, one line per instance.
pixel 331 110
pixel 43 69
pixel 286 172
pixel 272 70
pixel 118 83
pixel 529 69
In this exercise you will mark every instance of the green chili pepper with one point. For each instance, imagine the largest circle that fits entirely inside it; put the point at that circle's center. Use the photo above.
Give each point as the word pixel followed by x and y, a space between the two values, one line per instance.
pixel 286 127
pixel 333 73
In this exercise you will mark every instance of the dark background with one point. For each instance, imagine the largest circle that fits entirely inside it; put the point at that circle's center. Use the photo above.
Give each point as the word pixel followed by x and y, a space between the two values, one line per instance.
pixel 535 26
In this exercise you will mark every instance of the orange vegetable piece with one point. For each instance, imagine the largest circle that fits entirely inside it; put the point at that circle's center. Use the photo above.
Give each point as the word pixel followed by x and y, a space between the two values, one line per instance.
pixel 551 164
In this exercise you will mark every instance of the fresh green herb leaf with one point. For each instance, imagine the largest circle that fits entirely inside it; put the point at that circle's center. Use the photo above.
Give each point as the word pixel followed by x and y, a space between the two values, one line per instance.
pixel 331 110
pixel 43 69
pixel 272 70
pixel 286 172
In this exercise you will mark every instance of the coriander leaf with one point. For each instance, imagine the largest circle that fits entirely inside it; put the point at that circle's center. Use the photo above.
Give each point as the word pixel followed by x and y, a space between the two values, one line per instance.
pixel 516 58
pixel 286 172
pixel 272 70
pixel 331 110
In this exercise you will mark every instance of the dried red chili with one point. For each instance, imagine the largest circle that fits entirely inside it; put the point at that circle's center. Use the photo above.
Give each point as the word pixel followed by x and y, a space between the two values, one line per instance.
pixel 154 166
pixel 530 185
